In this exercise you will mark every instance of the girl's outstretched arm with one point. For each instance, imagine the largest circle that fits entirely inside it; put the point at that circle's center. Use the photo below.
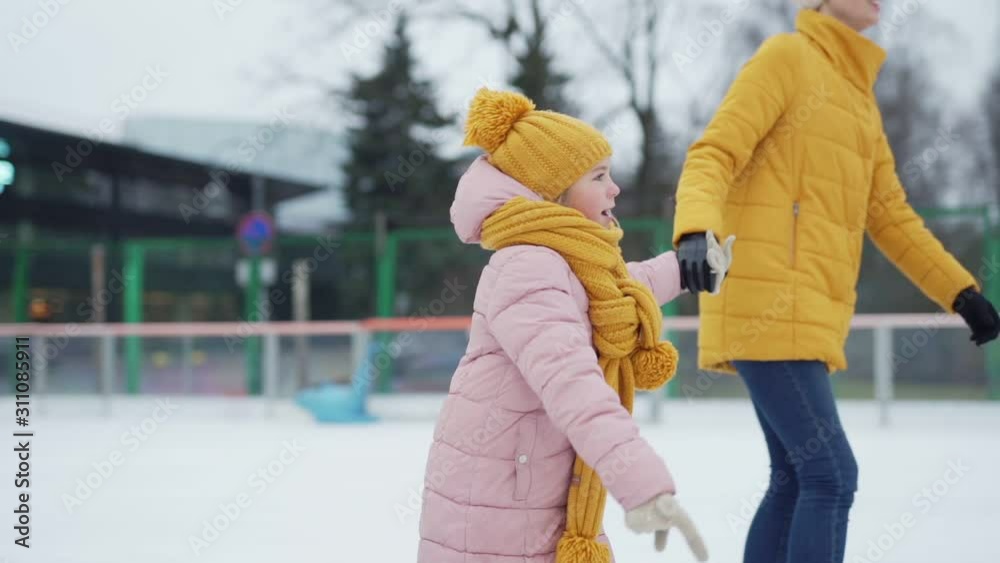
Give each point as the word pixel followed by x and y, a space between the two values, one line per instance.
pixel 661 274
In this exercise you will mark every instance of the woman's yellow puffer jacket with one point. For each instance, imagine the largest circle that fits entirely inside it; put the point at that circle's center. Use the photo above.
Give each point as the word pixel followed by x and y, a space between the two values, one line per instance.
pixel 795 163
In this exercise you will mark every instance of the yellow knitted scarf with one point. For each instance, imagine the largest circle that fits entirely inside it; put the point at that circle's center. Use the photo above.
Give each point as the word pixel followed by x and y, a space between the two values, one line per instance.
pixel 626 325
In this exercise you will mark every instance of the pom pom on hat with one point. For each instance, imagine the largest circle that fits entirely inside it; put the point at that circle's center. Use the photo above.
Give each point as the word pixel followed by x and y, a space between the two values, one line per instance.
pixel 492 116
pixel 545 151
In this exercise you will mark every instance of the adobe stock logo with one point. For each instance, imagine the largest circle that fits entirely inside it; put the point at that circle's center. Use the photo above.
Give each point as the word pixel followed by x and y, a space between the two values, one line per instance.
pixel 32 25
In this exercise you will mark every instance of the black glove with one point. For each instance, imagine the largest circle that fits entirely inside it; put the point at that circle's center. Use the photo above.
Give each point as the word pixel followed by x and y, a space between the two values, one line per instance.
pixel 692 251
pixel 979 314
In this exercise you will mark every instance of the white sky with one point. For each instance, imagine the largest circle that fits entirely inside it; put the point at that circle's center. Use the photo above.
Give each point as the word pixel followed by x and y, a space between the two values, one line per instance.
pixel 91 53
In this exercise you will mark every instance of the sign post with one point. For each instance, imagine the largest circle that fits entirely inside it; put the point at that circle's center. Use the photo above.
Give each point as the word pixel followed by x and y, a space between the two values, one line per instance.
pixel 255 234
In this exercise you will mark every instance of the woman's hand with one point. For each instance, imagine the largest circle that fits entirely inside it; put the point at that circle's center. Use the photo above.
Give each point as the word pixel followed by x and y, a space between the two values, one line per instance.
pixel 692 255
pixel 703 262
pixel 979 314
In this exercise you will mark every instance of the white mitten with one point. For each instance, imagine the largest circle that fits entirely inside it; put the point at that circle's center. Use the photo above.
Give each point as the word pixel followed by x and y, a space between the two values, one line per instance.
pixel 719 258
pixel 661 514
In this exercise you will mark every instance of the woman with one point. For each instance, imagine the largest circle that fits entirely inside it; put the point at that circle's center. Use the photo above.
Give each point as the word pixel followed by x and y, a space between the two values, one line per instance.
pixel 796 164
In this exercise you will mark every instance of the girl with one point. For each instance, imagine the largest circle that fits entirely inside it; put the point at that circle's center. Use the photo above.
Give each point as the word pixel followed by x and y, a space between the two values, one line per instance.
pixel 537 421
pixel 796 164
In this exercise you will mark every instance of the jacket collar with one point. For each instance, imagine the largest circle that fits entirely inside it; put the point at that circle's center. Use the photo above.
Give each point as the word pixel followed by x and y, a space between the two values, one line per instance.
pixel 853 55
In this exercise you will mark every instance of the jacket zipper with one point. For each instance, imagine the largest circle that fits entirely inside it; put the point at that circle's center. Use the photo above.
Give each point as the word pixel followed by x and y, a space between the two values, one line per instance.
pixel 795 228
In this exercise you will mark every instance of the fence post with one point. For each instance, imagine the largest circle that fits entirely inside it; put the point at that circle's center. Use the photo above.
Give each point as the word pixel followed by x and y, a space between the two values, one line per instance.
pixel 107 380
pixel 98 281
pixel 134 266
pixel 22 262
pixel 187 345
pixel 359 354
pixel 992 291
pixel 41 375
pixel 883 371
pixel 271 367
pixel 300 313
pixel 386 300
pixel 252 315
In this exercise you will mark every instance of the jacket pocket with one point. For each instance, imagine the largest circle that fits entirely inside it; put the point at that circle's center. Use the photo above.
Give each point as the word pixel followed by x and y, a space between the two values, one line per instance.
pixel 795 232
pixel 527 429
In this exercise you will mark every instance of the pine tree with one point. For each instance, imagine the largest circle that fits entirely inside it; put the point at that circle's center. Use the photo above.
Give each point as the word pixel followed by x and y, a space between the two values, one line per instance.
pixel 912 118
pixel 394 169
pixel 524 32
pixel 393 165
pixel 535 73
pixel 536 76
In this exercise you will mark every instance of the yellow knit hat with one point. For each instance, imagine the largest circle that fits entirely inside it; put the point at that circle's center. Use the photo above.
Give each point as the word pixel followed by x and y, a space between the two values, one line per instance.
pixel 544 150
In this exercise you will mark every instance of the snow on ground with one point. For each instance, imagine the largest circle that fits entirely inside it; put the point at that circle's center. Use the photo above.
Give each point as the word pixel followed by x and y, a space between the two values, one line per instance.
pixel 351 493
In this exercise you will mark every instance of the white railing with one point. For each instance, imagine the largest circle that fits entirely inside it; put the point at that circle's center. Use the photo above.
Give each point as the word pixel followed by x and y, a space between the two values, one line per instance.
pixel 882 327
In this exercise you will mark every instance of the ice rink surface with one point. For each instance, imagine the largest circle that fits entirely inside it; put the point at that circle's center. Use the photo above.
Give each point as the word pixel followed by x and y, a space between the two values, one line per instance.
pixel 237 480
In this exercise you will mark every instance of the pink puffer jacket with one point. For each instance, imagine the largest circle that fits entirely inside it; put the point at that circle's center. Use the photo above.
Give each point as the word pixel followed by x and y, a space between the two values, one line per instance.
pixel 526 397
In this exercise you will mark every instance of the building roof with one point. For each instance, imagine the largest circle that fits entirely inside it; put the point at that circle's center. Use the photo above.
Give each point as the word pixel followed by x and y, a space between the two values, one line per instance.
pixel 30 144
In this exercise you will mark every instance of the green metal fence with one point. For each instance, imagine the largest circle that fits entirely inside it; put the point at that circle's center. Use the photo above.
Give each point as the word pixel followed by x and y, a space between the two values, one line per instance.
pixel 407 269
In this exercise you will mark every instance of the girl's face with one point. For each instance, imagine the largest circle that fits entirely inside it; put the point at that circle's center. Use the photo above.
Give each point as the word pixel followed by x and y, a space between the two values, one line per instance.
pixel 856 14
pixel 594 194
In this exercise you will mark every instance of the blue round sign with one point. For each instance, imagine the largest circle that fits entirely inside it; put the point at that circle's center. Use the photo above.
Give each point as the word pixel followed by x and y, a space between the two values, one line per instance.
pixel 256 233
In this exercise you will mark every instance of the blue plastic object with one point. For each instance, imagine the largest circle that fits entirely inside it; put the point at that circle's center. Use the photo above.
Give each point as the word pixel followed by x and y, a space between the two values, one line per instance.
pixel 343 404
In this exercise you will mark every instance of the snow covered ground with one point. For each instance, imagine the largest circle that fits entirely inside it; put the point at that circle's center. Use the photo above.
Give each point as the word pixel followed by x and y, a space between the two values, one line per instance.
pixel 238 480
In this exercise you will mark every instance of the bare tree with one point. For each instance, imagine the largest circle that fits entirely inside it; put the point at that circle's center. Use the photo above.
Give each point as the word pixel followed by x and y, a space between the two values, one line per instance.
pixel 637 57
pixel 992 109
pixel 760 20
pixel 923 141
pixel 522 29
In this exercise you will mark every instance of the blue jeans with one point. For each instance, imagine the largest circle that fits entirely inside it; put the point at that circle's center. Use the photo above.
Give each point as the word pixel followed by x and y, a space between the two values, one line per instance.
pixel 803 516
